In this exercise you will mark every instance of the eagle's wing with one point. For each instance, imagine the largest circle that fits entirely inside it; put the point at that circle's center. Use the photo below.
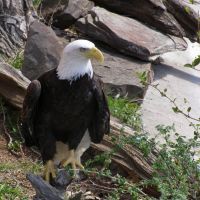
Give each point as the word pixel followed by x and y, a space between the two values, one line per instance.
pixel 101 121
pixel 28 111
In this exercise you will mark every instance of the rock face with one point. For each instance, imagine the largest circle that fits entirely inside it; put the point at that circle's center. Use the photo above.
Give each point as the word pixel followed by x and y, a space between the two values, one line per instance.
pixel 151 12
pixel 186 14
pixel 182 84
pixel 42 51
pixel 64 13
pixel 120 74
pixel 127 35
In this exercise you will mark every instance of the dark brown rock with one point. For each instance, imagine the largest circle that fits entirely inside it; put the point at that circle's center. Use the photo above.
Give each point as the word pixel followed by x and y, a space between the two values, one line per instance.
pixel 151 12
pixel 187 15
pixel 42 51
pixel 127 35
pixel 65 12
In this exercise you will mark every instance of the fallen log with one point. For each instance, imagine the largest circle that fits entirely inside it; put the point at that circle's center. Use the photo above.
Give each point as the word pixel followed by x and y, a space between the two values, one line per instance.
pixel 12 85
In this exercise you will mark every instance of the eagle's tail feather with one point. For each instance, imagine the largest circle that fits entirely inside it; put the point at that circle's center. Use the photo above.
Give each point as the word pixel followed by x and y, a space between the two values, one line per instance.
pixel 28 112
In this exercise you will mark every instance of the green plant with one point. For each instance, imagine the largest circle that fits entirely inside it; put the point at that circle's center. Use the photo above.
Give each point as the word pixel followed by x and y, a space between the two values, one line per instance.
pixel 17 60
pixel 36 3
pixel 195 62
pixel 126 111
pixel 176 173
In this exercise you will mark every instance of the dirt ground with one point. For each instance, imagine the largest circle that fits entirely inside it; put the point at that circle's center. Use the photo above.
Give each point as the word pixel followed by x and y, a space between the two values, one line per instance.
pixel 13 169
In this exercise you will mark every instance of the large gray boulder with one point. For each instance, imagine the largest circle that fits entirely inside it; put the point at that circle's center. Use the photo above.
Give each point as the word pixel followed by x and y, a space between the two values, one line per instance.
pixel 120 74
pixel 186 13
pixel 64 13
pixel 42 51
pixel 182 85
pixel 150 12
pixel 127 35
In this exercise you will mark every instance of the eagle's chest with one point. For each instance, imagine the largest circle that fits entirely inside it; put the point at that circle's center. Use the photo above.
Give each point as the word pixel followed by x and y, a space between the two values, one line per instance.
pixel 72 99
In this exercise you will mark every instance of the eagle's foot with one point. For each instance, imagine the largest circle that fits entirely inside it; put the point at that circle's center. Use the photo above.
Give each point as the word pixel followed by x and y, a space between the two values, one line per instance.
pixel 49 170
pixel 72 160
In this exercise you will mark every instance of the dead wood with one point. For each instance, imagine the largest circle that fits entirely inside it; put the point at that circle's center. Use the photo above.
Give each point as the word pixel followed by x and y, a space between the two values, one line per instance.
pixel 12 85
pixel 15 17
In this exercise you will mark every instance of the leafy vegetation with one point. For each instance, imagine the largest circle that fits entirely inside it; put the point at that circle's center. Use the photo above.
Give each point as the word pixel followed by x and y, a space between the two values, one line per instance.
pixel 126 111
pixel 176 173
pixel 194 63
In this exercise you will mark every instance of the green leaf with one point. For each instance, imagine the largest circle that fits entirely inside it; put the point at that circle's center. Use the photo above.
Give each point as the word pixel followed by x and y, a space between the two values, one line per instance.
pixel 175 109
pixel 188 65
pixel 187 9
pixel 189 109
pixel 196 61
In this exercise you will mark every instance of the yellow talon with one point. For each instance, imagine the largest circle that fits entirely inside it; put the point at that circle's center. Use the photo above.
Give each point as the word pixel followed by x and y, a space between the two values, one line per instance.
pixel 49 170
pixel 72 160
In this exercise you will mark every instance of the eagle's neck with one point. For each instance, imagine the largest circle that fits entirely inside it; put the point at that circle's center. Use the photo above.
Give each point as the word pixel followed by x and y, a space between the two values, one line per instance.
pixel 73 68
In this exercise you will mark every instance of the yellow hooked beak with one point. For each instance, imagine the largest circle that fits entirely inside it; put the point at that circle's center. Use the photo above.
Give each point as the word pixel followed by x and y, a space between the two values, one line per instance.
pixel 96 54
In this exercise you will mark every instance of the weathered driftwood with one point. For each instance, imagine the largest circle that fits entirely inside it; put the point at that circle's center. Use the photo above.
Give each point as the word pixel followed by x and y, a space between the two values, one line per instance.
pixel 45 191
pixel 56 191
pixel 12 85
pixel 15 17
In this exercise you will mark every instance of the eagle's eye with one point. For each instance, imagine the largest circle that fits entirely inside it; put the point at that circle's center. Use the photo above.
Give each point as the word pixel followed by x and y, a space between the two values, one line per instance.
pixel 82 49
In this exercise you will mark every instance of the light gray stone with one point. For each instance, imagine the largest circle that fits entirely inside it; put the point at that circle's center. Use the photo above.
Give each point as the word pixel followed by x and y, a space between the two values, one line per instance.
pixel 182 84
pixel 127 35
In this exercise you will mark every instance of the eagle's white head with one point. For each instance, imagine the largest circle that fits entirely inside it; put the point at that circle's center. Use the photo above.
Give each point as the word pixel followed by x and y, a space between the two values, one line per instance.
pixel 76 60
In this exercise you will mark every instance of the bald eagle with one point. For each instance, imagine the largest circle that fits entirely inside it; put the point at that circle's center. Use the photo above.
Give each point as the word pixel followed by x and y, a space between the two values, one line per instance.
pixel 65 109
